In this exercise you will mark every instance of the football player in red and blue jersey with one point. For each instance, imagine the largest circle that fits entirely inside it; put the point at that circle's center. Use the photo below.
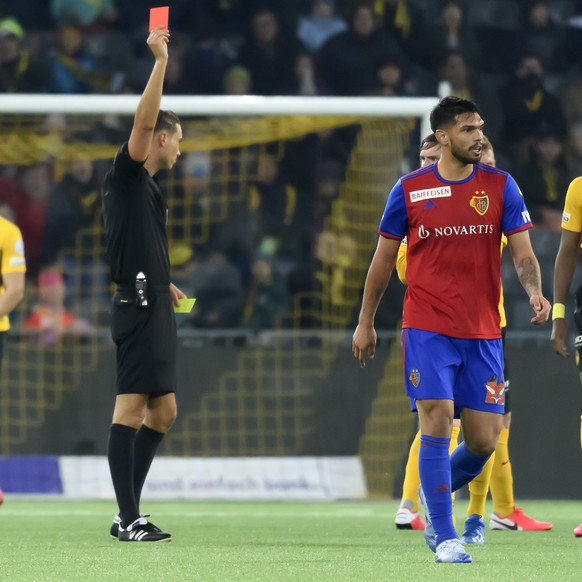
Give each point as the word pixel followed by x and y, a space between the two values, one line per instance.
pixel 453 214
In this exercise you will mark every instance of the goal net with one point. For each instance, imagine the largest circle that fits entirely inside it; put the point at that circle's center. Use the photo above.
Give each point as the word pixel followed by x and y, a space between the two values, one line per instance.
pixel 316 171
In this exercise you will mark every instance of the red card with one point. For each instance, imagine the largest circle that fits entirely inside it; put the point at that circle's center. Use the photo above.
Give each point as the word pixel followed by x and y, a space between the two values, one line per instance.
pixel 159 17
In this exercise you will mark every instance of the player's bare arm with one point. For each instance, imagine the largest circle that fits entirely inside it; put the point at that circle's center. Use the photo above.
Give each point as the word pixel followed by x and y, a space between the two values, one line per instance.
pixel 529 274
pixel 381 267
pixel 13 292
pixel 146 114
pixel 563 273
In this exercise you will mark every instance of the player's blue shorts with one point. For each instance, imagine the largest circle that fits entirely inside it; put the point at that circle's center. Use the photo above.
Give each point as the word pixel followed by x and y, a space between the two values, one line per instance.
pixel 467 371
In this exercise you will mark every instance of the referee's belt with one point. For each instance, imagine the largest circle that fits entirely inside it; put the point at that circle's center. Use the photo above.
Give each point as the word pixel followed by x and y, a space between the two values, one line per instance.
pixel 150 288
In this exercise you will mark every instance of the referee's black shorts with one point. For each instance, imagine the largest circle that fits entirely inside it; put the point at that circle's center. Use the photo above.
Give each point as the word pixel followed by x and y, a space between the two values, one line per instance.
pixel 146 343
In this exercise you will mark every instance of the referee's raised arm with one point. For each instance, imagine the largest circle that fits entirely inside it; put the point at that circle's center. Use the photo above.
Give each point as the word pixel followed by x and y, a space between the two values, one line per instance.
pixel 146 114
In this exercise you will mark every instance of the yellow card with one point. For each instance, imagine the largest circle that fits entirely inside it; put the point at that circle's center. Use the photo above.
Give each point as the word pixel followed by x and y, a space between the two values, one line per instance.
pixel 186 305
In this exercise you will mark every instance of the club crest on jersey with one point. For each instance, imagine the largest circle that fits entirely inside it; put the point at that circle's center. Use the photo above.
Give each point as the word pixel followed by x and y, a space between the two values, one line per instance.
pixel 414 378
pixel 495 391
pixel 480 202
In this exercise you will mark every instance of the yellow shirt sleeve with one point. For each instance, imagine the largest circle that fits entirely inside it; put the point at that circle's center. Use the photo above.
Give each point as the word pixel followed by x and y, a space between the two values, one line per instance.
pixel 572 215
pixel 502 317
pixel 401 261
pixel 501 305
pixel 11 257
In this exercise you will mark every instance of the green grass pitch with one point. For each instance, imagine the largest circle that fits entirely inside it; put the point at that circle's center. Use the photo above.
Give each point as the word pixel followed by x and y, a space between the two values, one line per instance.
pixel 44 540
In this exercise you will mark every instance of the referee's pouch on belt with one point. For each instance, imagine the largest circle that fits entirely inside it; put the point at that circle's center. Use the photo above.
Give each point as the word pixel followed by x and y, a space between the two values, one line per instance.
pixel 141 291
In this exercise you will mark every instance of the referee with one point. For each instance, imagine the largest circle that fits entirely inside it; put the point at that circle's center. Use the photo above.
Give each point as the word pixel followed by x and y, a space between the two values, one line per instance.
pixel 143 326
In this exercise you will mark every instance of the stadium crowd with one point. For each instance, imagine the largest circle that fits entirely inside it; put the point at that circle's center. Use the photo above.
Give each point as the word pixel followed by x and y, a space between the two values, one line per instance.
pixel 518 60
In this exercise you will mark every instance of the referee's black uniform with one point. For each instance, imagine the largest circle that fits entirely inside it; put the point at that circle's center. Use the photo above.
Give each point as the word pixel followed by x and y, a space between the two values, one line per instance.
pixel 135 214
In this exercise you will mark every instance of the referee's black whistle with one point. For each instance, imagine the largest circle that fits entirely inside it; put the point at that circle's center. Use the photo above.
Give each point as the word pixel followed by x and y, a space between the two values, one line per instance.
pixel 141 290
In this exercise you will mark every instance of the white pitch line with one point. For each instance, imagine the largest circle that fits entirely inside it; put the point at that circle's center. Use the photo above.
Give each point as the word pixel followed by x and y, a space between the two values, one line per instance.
pixel 188 514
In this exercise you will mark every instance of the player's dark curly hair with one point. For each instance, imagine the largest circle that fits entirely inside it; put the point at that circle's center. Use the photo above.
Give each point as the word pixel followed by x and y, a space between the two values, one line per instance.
pixel 444 113
pixel 429 142
pixel 166 121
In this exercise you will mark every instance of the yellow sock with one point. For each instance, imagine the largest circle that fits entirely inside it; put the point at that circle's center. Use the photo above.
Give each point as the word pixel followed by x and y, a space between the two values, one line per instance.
pixel 502 478
pixel 454 443
pixel 478 489
pixel 411 475
pixel 454 439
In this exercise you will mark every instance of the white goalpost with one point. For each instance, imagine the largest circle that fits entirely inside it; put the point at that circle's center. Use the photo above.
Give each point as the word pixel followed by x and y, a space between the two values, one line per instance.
pixel 223 105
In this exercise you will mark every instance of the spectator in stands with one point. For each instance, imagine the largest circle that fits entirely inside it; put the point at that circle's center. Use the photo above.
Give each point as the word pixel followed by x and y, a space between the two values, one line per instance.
pixel 134 15
pixel 290 11
pixel 306 81
pixel 348 62
pixel 237 81
pixel 322 23
pixel 268 54
pixel 27 192
pixel 83 12
pixel 529 107
pixel 177 79
pixel 19 71
pixel 328 178
pixel 571 94
pixel 544 180
pixel 194 17
pixel 73 68
pixel 201 68
pixel 336 252
pixel 236 245
pixel 50 321
pixel 541 36
pixel 494 15
pixel 267 297
pixel 273 202
pixel 403 20
pixel 391 80
pixel 218 289
pixel 305 288
pixel 107 129
pixel 33 15
pixel 73 204
pixel 574 150
pixel 466 83
pixel 451 32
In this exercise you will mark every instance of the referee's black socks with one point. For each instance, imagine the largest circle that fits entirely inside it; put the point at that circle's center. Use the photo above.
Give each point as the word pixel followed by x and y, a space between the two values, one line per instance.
pixel 121 457
pixel 146 445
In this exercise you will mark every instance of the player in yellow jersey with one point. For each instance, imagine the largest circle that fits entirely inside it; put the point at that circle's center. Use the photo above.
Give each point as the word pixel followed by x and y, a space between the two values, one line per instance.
pixel 12 269
pixel 496 473
pixel 570 243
